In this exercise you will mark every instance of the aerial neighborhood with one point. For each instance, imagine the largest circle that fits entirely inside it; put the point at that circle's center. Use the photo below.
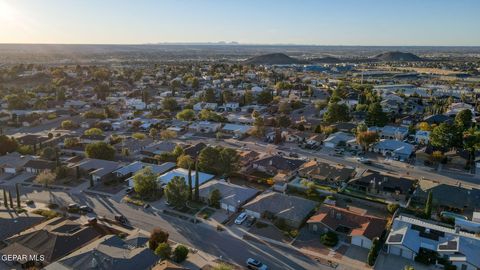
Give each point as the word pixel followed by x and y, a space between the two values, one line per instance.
pixel 130 164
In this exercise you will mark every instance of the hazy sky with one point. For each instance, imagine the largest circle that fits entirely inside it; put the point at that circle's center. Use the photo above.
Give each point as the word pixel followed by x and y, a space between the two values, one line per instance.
pixel 323 22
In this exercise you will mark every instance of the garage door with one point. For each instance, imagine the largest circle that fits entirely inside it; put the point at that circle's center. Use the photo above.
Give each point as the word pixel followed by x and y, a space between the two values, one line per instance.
pixel 357 241
pixel 395 250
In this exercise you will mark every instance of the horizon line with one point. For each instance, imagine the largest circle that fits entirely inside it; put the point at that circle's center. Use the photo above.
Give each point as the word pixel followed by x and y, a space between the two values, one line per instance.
pixel 230 43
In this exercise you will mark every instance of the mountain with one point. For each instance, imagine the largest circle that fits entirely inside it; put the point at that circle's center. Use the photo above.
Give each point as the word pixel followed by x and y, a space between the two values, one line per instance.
pixel 397 57
pixel 326 60
pixel 273 59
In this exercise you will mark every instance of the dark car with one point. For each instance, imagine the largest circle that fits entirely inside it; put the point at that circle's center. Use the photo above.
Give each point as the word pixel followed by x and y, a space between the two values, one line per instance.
pixel 121 218
pixel 250 221
pixel 86 209
pixel 129 190
pixel 294 155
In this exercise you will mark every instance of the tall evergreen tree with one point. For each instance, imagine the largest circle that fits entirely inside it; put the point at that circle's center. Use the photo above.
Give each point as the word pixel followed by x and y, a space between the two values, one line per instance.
pixel 197 184
pixel 17 190
pixel 190 195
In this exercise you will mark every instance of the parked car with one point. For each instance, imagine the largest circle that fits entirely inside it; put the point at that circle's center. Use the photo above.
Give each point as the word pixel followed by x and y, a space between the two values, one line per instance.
pixel 72 206
pixel 294 155
pixel 86 209
pixel 121 218
pixel 255 264
pixel 241 218
pixel 92 220
pixel 129 190
pixel 250 221
pixel 146 206
pixel 364 160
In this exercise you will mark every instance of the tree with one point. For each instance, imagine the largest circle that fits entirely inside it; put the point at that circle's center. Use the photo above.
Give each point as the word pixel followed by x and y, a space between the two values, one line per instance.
pixel 169 104
pixel 259 126
pixel 46 178
pixel 373 253
pixel 190 186
pixel 168 134
pixel 428 205
pixel 100 150
pixel 197 183
pixel 329 239
pixel 11 198
pixel 17 191
pixel 248 97
pixel 71 142
pixel 145 182
pixel 209 95
pixel 471 143
pixel 153 133
pixel 138 136
pixel 284 107
pixel 463 119
pixel 208 159
pixel 67 124
pixel 176 192
pixel 264 97
pixel 184 161
pixel 186 115
pixel 49 153
pixel 366 138
pixel 336 113
pixel 437 156
pixel 214 198
pixel 93 131
pixel 157 236
pixel 392 207
pixel 424 126
pixel 228 161
pixel 7 145
pixel 180 253
pixel 282 120
pixel 376 116
pixel 5 199
pixel 164 251
pixel 445 136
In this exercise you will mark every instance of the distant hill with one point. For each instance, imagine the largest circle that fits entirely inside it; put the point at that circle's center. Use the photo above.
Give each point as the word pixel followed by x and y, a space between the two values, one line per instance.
pixel 397 57
pixel 326 60
pixel 273 59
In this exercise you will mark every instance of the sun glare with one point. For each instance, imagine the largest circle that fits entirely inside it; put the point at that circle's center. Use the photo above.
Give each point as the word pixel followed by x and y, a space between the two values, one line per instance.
pixel 7 12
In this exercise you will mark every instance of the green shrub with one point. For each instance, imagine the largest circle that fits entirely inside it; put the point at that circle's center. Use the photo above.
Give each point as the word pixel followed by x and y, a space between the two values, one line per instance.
pixel 392 207
pixel 180 253
pixel 329 239
pixel 164 251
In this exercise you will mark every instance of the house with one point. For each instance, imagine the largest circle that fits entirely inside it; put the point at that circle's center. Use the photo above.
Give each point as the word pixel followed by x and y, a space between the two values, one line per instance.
pixel 158 148
pixel 194 150
pixel 13 163
pixel 87 139
pixel 247 157
pixel 389 186
pixel 183 173
pixel 97 169
pixel 338 139
pixel 326 173
pixel 275 164
pixel 239 131
pixel 37 166
pixel 273 205
pixel 232 196
pixel 127 172
pixel 36 141
pixel 14 224
pixel 53 239
pixel 411 236
pixel 354 227
pixel 205 105
pixel 205 127
pixel 438 119
pixel 110 252
pixel 280 182
pixel 390 132
pixel 395 149
pixel 422 137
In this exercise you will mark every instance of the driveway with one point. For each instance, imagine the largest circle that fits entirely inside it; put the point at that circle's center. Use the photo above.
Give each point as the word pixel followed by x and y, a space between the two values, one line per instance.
pixel 393 262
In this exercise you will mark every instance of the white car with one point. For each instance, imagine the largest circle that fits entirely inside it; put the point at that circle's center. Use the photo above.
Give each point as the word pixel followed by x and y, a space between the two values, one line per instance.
pixel 255 264
pixel 241 218
pixel 364 160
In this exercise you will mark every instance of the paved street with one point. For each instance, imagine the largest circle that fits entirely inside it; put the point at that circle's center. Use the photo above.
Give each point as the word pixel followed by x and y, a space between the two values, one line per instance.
pixel 204 237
